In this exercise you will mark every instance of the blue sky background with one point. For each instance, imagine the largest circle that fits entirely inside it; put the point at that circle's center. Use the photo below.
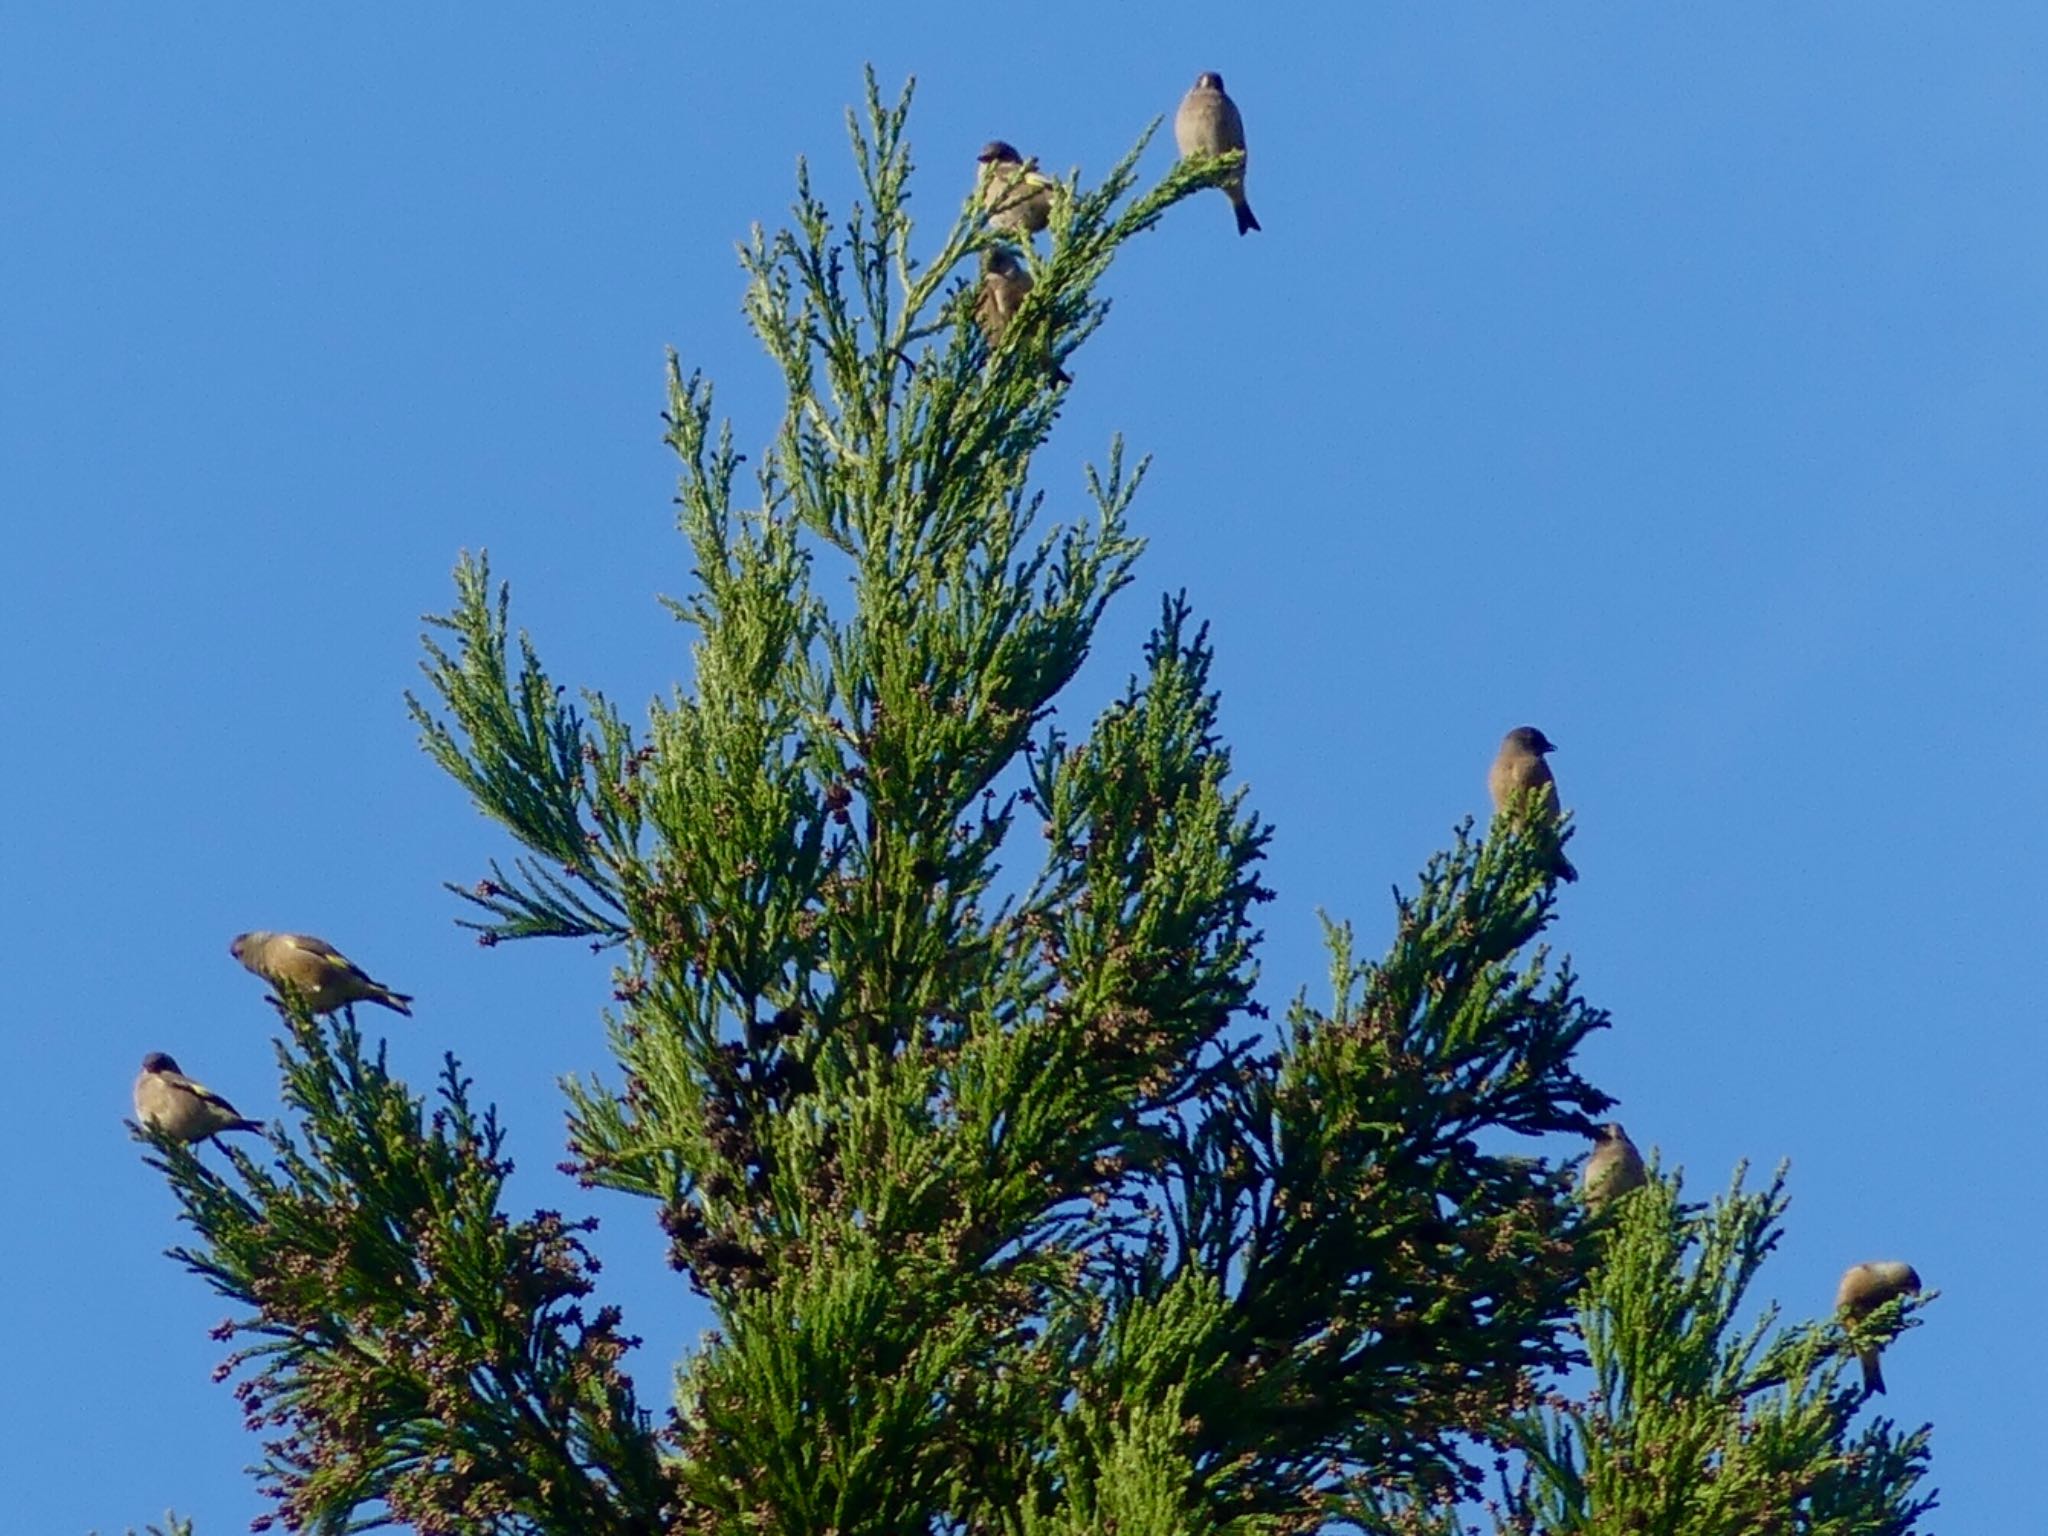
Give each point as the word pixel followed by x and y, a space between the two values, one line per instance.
pixel 1673 381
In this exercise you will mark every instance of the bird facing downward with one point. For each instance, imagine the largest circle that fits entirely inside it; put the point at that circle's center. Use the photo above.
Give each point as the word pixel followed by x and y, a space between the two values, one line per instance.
pixel 1018 196
pixel 1208 123
pixel 321 974
pixel 1615 1167
pixel 1519 776
pixel 1865 1288
pixel 171 1102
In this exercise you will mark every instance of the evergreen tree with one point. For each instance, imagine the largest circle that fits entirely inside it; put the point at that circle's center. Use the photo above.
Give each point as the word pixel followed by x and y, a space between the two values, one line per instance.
pixel 937 1054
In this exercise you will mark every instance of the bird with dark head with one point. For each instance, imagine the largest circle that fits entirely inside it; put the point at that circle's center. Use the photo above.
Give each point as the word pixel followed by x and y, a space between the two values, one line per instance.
pixel 1208 123
pixel 1521 781
pixel 173 1103
pixel 1018 197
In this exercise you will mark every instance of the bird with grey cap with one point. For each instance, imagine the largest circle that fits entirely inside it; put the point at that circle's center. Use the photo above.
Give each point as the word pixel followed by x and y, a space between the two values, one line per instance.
pixel 1017 195
pixel 173 1103
pixel 1521 780
pixel 1614 1168
pixel 1208 123
pixel 321 974
pixel 1865 1288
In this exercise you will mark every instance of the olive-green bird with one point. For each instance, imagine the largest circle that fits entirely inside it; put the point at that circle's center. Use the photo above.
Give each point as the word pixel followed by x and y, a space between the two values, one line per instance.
pixel 1865 1288
pixel 321 974
pixel 1018 196
pixel 1615 1167
pixel 1208 123
pixel 1004 283
pixel 1519 775
pixel 169 1100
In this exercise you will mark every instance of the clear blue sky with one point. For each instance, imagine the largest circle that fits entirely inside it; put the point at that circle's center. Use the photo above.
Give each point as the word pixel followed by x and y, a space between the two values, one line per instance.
pixel 1673 381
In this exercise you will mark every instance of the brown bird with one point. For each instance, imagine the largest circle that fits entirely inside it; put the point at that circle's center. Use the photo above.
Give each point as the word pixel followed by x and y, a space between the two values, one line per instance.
pixel 1520 776
pixel 1208 123
pixel 1004 283
pixel 169 1100
pixel 1018 196
pixel 1615 1167
pixel 1865 1288
pixel 321 974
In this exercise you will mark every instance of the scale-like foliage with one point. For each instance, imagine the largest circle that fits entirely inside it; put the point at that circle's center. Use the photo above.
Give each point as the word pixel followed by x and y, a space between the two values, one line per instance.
pixel 937 1053
pixel 415 1355
pixel 1703 1415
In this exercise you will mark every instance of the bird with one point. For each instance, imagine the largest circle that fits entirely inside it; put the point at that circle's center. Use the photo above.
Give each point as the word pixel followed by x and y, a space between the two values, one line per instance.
pixel 171 1102
pixel 1208 123
pixel 1518 774
pixel 1865 1288
pixel 1018 195
pixel 321 974
pixel 1004 283
pixel 1615 1167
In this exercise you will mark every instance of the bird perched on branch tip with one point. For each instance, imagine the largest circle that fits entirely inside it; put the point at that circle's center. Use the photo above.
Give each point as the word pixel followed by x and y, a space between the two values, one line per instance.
pixel 1614 1168
pixel 321 974
pixel 174 1104
pixel 1208 123
pixel 1865 1288
pixel 1521 783
pixel 1017 195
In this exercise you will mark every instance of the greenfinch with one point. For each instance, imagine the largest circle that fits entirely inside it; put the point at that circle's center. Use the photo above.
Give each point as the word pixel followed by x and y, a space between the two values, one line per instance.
pixel 171 1102
pixel 1208 123
pixel 1018 196
pixel 1865 1288
pixel 321 974
pixel 1615 1167
pixel 1520 775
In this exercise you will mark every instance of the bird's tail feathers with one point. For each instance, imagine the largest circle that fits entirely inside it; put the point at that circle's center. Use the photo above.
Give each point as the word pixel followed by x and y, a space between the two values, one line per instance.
pixel 397 1002
pixel 1245 222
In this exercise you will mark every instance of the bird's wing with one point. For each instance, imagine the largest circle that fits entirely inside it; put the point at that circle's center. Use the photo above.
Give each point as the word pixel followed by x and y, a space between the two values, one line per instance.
pixel 327 952
pixel 314 946
pixel 201 1091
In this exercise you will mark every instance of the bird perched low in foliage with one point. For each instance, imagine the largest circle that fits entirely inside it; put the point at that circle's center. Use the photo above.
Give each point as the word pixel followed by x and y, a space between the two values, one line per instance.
pixel 1521 781
pixel 1017 194
pixel 171 1102
pixel 1615 1167
pixel 321 974
pixel 1004 284
pixel 1865 1288
pixel 1208 123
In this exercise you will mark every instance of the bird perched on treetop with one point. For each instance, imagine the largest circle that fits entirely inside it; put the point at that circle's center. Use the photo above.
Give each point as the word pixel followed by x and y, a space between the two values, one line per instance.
pixel 321 974
pixel 1018 195
pixel 1208 123
pixel 169 1100
pixel 1004 283
pixel 1519 774
pixel 1615 1167
pixel 1865 1288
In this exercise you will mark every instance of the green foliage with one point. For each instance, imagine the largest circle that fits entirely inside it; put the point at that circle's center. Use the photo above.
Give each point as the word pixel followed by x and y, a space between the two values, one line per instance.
pixel 937 1052
pixel 414 1353
pixel 1698 1422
